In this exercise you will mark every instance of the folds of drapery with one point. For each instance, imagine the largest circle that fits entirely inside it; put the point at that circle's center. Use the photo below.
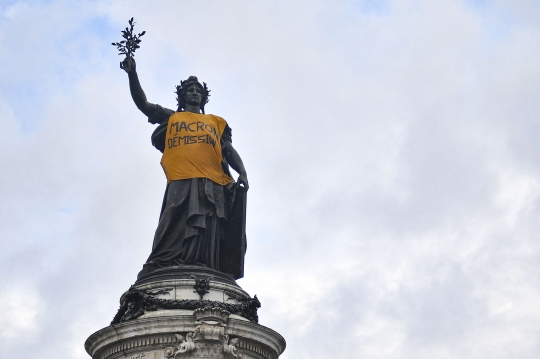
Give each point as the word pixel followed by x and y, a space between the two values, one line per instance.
pixel 192 223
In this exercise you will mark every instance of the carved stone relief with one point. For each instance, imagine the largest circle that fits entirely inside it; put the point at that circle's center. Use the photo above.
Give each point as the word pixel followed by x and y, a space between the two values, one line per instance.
pixel 208 340
pixel 202 286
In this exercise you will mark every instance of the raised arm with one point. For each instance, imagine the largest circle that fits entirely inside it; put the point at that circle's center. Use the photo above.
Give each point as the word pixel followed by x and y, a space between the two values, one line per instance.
pixel 137 93
pixel 235 161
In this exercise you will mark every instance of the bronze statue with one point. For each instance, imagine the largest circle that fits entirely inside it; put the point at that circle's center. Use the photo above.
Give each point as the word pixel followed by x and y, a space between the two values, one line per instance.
pixel 201 198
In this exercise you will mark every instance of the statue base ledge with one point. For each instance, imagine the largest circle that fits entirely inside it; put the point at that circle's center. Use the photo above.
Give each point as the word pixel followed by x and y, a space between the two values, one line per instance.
pixel 167 336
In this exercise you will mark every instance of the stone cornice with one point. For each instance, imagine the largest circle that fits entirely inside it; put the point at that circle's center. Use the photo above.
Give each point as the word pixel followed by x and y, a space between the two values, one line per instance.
pixel 157 330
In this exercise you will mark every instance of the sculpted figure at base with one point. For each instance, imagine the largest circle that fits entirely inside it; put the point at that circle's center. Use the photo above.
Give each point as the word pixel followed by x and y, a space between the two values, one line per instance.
pixel 201 193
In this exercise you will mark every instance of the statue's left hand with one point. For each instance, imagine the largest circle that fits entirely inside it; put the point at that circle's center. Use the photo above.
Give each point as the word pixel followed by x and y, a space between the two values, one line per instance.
pixel 242 179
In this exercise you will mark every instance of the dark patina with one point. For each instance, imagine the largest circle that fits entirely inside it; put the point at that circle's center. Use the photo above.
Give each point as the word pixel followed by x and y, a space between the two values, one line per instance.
pixel 220 243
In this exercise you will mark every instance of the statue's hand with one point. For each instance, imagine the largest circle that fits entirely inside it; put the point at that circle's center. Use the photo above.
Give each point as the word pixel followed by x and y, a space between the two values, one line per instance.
pixel 242 179
pixel 128 65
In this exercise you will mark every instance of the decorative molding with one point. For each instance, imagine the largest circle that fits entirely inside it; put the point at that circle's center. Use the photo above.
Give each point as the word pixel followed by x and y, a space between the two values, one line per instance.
pixel 202 285
pixel 232 348
pixel 153 334
pixel 139 343
pixel 211 315
pixel 256 348
pixel 136 302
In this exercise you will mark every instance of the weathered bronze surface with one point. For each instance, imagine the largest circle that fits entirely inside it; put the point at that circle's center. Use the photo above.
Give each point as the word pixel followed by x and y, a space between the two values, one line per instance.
pixel 220 241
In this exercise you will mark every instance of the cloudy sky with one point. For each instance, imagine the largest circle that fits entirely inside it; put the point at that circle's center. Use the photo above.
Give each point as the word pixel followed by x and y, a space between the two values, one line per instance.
pixel 392 148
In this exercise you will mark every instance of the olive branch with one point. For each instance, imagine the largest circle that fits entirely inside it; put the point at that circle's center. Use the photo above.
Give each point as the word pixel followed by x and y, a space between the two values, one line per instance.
pixel 131 41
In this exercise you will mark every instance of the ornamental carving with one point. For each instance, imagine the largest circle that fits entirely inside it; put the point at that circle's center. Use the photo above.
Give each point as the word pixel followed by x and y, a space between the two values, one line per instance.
pixel 185 346
pixel 137 302
pixel 207 341
pixel 202 286
pixel 211 315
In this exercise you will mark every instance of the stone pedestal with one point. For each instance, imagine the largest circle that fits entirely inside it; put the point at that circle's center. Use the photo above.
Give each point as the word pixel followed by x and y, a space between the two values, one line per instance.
pixel 186 312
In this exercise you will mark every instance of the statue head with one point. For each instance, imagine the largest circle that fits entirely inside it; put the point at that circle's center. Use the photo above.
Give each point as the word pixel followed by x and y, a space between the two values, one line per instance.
pixel 181 91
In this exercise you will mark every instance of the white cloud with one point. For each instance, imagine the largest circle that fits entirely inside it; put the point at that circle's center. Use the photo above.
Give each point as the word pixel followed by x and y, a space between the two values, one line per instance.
pixel 21 307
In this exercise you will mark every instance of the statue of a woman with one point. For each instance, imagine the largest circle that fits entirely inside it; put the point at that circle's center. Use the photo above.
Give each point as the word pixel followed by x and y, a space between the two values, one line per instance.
pixel 197 152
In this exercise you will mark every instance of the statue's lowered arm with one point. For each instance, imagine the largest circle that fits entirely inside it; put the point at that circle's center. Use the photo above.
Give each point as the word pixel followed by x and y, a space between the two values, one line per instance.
pixel 233 158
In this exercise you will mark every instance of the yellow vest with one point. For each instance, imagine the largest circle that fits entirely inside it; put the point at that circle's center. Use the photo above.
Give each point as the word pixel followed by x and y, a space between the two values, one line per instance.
pixel 193 148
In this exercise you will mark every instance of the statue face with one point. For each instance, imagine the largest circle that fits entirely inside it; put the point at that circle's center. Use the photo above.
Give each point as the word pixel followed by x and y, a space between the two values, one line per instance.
pixel 194 95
